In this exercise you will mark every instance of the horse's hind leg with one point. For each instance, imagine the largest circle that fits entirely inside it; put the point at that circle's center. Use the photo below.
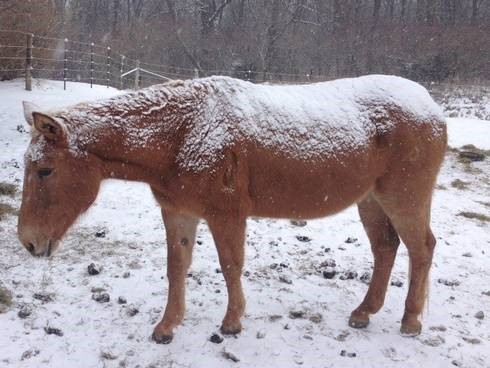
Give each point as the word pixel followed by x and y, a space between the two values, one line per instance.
pixel 181 234
pixel 406 200
pixel 384 244
pixel 413 227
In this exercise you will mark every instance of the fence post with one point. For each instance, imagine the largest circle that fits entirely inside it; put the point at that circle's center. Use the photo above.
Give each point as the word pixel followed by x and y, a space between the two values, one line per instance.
pixel 121 71
pixel 108 71
pixel 137 75
pixel 196 73
pixel 29 62
pixel 91 64
pixel 65 60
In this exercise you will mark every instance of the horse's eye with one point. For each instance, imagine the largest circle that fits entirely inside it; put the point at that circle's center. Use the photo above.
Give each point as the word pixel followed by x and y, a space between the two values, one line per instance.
pixel 44 172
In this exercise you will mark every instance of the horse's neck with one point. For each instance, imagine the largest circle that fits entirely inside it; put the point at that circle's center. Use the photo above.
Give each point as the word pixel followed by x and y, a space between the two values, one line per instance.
pixel 138 142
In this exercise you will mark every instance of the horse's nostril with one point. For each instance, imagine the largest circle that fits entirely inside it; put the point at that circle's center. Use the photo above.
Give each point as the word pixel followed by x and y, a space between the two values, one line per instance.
pixel 30 248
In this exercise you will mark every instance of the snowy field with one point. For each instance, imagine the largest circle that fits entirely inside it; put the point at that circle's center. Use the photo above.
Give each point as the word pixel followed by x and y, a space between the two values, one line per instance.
pixel 294 318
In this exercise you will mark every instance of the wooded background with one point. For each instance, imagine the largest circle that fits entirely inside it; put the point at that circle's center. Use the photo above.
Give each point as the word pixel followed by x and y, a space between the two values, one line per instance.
pixel 425 40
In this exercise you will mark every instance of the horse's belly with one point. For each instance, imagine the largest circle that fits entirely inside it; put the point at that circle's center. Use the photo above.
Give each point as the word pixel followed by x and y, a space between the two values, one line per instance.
pixel 299 189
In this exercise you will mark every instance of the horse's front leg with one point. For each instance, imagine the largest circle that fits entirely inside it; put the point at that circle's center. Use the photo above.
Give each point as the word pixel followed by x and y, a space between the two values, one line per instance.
pixel 229 236
pixel 181 235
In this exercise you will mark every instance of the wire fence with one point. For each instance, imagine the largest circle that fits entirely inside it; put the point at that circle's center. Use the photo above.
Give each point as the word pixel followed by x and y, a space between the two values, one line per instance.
pixel 30 56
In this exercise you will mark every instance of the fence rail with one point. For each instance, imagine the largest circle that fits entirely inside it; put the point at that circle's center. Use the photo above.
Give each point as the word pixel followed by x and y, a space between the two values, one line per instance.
pixel 27 55
pixel 69 60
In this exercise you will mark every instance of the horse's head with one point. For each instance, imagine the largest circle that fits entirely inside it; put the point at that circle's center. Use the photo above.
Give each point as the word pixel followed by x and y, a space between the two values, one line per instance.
pixel 59 183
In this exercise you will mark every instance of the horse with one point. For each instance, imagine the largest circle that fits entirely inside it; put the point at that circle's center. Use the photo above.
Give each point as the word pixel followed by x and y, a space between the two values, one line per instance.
pixel 223 149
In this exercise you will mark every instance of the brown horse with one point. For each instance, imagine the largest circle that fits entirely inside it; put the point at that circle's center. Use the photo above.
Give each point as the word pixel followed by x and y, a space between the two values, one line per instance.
pixel 222 149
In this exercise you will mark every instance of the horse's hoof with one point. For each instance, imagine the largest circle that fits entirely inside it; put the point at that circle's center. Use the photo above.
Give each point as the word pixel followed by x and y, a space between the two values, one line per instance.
pixel 163 339
pixel 357 322
pixel 231 330
pixel 410 330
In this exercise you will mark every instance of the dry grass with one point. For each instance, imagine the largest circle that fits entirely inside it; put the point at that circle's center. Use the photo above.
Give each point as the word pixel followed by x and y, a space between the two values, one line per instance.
pixel 460 184
pixel 6 209
pixel 474 216
pixel 7 189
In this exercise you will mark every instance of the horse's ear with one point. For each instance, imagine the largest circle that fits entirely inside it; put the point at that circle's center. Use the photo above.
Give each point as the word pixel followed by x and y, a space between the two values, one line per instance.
pixel 52 128
pixel 29 108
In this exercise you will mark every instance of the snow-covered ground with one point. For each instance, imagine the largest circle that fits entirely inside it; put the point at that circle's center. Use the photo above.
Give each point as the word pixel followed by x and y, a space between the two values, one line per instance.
pixel 282 275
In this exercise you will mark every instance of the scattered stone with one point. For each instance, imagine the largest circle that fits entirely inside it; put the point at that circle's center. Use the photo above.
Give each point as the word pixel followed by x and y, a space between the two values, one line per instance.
pixel 53 331
pixel 286 326
pixel 350 240
pixel 44 297
pixel 329 274
pixel 307 337
pixel 457 363
pixel 216 338
pixel 126 275
pixel 341 248
pixel 28 354
pixel 121 300
pixel 132 311
pixel 101 297
pixel 107 355
pixel 260 335
pixel 346 354
pixel 296 314
pixel 300 223
pixel 448 282
pixel 5 299
pixel 438 328
pixel 434 341
pixel 467 254
pixel 487 293
pixel 472 340
pixel 283 265
pixel 273 266
pixel 246 273
pixel 135 265
pixel 303 238
pixel 218 270
pixel 275 317
pixel 100 233
pixel 20 128
pixel 365 277
pixel 230 356
pixel 396 283
pixel 328 263
pixel 316 318
pixel 348 275
pixel 24 313
pixel 97 289
pixel 92 269
pixel 285 279
pixel 199 242
pixel 479 315
pixel 342 336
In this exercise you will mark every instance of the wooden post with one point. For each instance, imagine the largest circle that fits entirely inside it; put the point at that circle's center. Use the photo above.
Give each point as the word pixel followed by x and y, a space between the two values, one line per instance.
pixel 65 63
pixel 121 71
pixel 108 70
pixel 29 62
pixel 137 75
pixel 91 64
